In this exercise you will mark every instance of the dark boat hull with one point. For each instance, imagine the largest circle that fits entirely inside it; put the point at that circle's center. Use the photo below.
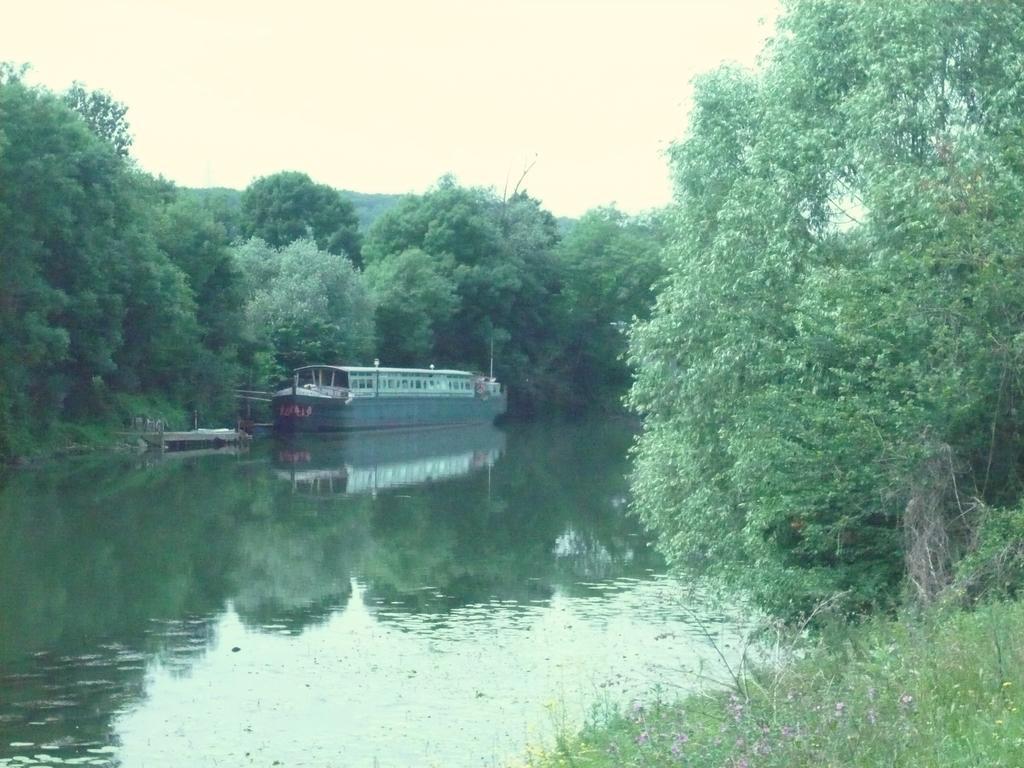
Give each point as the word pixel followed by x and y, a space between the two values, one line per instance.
pixel 303 413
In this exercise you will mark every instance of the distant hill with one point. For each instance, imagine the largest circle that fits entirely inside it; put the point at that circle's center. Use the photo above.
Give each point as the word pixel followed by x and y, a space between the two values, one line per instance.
pixel 369 206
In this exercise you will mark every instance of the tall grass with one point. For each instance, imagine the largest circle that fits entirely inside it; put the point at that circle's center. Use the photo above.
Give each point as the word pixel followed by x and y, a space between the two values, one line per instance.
pixel 940 689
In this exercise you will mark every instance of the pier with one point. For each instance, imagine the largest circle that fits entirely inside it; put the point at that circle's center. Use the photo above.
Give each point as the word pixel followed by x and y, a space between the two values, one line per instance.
pixel 194 439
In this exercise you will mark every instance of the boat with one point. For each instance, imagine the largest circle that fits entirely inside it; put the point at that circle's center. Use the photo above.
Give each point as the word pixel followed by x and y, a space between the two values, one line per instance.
pixel 342 398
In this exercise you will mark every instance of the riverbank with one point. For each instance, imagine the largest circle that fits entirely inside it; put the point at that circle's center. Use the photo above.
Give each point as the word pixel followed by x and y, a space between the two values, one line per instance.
pixel 102 433
pixel 943 689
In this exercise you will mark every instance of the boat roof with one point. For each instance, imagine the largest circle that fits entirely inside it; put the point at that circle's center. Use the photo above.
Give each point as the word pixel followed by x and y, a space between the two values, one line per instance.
pixel 382 369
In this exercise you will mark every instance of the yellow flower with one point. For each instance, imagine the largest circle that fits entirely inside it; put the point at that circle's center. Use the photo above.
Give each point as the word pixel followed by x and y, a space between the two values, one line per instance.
pixel 1007 684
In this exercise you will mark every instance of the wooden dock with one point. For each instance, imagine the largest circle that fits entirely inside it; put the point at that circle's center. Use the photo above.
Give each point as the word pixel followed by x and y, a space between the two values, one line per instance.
pixel 194 439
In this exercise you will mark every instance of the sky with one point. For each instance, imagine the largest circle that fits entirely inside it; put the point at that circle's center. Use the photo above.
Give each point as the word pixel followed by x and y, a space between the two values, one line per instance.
pixel 387 96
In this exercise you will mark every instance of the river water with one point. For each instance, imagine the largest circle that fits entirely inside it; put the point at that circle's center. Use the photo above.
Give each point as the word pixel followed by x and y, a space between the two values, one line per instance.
pixel 438 598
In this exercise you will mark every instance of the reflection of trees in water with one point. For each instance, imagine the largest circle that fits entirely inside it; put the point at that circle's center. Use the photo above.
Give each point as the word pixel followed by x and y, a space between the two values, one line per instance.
pixel 293 577
pixel 497 537
pixel 109 565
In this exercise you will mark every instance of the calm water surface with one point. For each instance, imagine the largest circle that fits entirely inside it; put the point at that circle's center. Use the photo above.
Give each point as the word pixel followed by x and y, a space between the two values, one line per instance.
pixel 438 598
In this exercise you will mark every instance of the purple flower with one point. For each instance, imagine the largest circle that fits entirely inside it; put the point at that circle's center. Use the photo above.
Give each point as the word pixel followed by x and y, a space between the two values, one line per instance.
pixel 840 708
pixel 642 737
pixel 735 707
pixel 677 744
pixel 788 731
pixel 872 716
pixel 872 693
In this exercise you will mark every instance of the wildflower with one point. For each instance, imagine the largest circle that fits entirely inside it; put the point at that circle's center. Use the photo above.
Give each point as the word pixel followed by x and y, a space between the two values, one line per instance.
pixel 735 707
pixel 743 763
pixel 788 731
pixel 872 716
pixel 872 693
pixel 1007 684
pixel 677 744
pixel 642 738
pixel 840 708
pixel 906 700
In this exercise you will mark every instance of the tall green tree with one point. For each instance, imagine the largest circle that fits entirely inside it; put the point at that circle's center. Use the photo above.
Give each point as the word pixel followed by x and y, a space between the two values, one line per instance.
pixel 290 206
pixel 611 263
pixel 197 243
pixel 305 305
pixel 828 379
pixel 416 301
pixel 108 291
pixel 506 280
pixel 104 116
pixel 91 302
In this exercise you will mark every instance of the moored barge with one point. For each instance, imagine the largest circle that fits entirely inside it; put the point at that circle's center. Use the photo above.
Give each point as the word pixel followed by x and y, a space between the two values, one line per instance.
pixel 342 398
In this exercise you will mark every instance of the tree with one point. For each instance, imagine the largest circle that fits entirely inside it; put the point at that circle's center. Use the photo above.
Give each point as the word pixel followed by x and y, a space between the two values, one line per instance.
pixel 197 243
pixel 306 305
pixel 289 206
pixel 90 306
pixel 416 301
pixel 611 262
pixel 104 116
pixel 505 277
pixel 829 374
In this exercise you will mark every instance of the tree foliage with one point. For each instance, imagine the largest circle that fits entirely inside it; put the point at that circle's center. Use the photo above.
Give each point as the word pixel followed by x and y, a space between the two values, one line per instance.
pixel 499 255
pixel 830 377
pixel 289 206
pixel 611 262
pixel 104 116
pixel 95 303
pixel 416 301
pixel 307 305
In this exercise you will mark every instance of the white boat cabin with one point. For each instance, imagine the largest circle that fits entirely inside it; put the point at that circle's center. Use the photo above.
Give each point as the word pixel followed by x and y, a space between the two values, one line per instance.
pixel 354 381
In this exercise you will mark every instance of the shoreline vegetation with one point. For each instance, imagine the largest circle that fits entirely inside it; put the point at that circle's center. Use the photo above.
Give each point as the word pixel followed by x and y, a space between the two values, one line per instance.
pixel 944 688
pixel 831 381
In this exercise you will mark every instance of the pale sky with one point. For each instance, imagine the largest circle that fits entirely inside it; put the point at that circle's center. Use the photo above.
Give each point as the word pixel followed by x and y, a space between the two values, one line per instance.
pixel 389 95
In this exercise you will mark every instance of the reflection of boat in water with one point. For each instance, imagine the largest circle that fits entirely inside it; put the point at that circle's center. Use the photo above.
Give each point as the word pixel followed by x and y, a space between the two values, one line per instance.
pixel 375 461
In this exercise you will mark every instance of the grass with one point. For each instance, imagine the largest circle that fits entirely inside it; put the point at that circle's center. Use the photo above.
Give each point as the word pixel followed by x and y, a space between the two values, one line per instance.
pixel 941 689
